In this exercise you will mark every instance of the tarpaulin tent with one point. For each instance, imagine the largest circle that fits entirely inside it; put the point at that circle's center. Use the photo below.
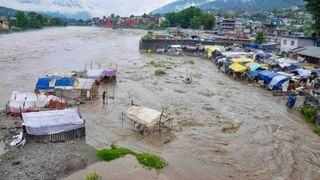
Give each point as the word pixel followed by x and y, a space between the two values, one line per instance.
pixel 238 68
pixel 302 72
pixel 46 84
pixel 109 73
pixel 277 82
pixel 266 76
pixel 252 74
pixel 242 60
pixel 52 122
pixel 253 66
pixel 29 102
pixel 233 54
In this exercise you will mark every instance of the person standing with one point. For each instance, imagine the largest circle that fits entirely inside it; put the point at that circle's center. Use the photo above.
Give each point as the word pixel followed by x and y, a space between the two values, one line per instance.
pixel 104 97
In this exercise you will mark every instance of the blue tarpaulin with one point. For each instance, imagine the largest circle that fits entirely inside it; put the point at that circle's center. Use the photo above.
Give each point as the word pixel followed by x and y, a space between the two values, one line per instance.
pixel 49 83
pixel 302 72
pixel 44 84
pixel 266 76
pixel 277 82
pixel 64 82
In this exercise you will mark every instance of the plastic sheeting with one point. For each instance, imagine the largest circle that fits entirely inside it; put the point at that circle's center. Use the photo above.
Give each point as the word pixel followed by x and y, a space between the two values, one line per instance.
pixel 210 49
pixel 253 66
pixel 83 84
pixel 50 83
pixel 302 72
pixel 95 73
pixel 236 67
pixel 242 60
pixel 266 76
pixel 277 82
pixel 47 83
pixel 144 116
pixel 52 122
pixel 29 102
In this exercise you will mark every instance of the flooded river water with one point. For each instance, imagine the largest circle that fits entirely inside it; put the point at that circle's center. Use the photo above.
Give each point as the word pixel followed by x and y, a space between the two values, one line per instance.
pixel 271 143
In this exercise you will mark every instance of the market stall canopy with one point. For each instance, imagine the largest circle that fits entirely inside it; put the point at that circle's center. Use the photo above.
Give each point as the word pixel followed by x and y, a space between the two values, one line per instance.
pixel 109 73
pixel 302 72
pixel 144 116
pixel 233 54
pixel 242 60
pixel 266 76
pixel 52 122
pixel 210 49
pixel 236 67
pixel 50 83
pixel 253 66
pixel 277 82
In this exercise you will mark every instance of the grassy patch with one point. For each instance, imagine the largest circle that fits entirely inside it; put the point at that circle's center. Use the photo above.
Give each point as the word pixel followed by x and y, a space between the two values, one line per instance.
pixel 93 176
pixel 309 113
pixel 146 159
pixel 191 62
pixel 113 153
pixel 3 157
pixel 317 131
pixel 150 160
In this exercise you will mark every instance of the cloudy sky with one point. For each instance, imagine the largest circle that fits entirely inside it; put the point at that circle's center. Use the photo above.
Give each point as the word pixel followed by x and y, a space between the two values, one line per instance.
pixel 96 7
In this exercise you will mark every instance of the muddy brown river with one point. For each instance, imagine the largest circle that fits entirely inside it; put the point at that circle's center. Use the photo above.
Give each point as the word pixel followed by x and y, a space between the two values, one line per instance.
pixel 271 143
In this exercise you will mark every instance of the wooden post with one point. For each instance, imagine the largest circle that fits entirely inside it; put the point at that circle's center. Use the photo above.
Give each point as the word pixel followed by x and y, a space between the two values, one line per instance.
pixel 122 114
pixel 160 120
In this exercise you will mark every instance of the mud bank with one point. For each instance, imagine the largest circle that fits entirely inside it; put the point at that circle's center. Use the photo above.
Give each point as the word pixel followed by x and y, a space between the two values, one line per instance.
pixel 223 129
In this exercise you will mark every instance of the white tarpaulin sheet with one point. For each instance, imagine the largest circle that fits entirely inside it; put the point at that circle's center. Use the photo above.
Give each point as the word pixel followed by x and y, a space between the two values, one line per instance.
pixel 29 101
pixel 145 116
pixel 82 83
pixel 52 122
pixel 94 73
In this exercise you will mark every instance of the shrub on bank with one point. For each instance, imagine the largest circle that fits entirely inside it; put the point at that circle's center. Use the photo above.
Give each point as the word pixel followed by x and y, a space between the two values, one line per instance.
pixel 309 113
pixel 93 176
pixel 317 131
pixel 146 159
pixel 150 160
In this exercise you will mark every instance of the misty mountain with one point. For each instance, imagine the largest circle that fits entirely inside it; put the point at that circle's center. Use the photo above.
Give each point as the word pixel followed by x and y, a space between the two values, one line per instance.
pixel 75 9
pixel 228 4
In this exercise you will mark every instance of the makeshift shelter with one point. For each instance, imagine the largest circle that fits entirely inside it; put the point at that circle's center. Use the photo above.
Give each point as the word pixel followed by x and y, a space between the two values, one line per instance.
pixel 48 84
pixel 146 118
pixel 87 87
pixel 109 74
pixel 238 68
pixel 266 76
pixel 54 123
pixel 233 54
pixel 31 102
pixel 277 82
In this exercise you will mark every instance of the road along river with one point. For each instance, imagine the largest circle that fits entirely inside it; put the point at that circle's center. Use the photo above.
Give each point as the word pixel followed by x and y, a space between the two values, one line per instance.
pixel 271 143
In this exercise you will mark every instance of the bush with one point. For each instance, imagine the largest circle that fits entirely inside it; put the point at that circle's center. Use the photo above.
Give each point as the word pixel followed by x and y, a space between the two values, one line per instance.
pixel 113 153
pixel 150 160
pixel 191 62
pixel 147 37
pixel 93 176
pixel 317 131
pixel 309 113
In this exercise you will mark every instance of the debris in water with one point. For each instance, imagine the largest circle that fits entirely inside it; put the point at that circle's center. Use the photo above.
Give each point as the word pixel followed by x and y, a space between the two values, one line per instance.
pixel 159 72
pixel 231 129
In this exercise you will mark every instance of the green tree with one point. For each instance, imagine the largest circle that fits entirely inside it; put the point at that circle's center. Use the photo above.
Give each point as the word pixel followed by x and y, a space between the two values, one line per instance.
pixel 313 6
pixel 208 21
pixel 260 37
pixel 22 20
pixel 165 23
pixel 196 22
pixel 151 25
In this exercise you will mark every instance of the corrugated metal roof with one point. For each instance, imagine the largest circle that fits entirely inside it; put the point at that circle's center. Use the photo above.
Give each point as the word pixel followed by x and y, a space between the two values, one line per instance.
pixel 311 51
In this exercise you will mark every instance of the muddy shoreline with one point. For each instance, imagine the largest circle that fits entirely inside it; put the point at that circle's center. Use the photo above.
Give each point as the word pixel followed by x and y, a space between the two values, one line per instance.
pixel 223 129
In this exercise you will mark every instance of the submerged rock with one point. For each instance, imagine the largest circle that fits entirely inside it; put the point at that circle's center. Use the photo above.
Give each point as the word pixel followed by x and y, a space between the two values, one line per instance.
pixel 159 72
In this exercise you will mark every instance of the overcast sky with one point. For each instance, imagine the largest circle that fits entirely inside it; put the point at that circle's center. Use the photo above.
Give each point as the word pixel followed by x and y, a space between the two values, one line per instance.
pixel 104 7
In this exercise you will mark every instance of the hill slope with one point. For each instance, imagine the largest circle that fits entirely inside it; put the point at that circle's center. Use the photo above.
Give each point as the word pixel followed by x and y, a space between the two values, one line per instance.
pixel 228 4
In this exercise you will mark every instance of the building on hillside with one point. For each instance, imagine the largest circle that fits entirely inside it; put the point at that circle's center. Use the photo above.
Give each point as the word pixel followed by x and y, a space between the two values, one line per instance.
pixel 276 27
pixel 4 22
pixel 310 54
pixel 228 25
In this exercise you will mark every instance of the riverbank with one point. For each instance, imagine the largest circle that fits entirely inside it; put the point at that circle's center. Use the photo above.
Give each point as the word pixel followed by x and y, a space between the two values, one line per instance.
pixel 222 129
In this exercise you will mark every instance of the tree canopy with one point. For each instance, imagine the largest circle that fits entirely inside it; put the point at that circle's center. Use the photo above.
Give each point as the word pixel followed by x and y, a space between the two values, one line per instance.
pixel 313 6
pixel 260 38
pixel 34 20
pixel 191 17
